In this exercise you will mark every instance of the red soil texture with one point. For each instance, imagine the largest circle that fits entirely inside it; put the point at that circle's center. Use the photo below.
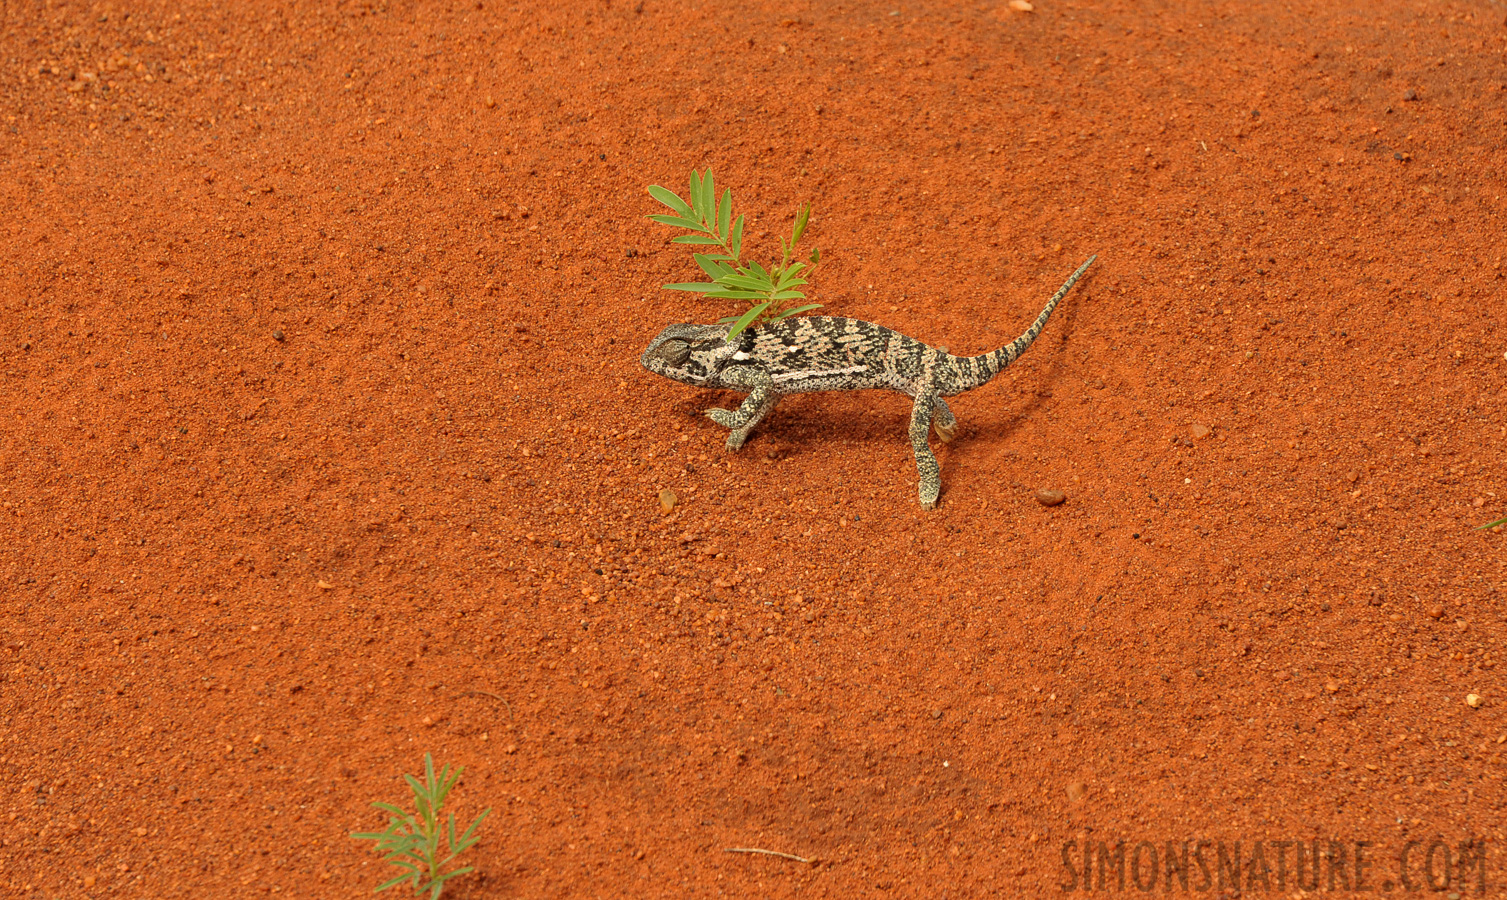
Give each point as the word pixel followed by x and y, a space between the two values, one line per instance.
pixel 326 445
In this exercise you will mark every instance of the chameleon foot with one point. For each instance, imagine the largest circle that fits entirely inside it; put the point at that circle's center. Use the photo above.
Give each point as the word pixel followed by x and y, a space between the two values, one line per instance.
pixel 929 493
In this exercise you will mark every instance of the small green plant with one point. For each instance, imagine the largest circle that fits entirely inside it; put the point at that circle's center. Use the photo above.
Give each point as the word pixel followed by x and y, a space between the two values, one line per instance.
pixel 1490 525
pixel 767 290
pixel 412 840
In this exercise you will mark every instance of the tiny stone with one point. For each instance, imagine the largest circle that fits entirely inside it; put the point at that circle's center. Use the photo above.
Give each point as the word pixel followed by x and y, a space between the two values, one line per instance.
pixel 1436 612
pixel 667 500
pixel 277 336
pixel 1199 430
pixel 1050 497
pixel 1076 791
pixel 1021 6
pixel 1473 701
pixel 1410 95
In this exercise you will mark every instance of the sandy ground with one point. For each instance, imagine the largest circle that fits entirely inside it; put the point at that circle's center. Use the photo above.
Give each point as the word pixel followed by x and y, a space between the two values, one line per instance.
pixel 326 445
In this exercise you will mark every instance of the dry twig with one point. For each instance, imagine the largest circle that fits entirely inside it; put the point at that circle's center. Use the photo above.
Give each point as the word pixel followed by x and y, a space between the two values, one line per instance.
pixel 494 697
pixel 768 853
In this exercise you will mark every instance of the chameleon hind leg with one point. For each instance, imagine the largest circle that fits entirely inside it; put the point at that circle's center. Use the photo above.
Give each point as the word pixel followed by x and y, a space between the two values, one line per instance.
pixel 928 473
pixel 760 400
pixel 944 422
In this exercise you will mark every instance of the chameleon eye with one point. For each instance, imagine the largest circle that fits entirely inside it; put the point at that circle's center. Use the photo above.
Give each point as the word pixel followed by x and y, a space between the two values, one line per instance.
pixel 674 352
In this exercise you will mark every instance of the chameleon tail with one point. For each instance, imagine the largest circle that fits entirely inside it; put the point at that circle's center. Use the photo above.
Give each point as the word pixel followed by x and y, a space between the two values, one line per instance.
pixel 974 371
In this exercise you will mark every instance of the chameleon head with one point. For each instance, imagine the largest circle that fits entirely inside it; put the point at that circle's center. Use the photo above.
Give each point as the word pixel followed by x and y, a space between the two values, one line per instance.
pixel 690 354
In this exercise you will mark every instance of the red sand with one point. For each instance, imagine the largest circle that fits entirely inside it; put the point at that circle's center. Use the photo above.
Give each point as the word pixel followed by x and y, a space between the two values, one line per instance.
pixel 326 444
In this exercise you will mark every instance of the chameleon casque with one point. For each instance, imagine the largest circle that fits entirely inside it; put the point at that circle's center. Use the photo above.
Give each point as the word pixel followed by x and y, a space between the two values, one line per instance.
pixel 827 353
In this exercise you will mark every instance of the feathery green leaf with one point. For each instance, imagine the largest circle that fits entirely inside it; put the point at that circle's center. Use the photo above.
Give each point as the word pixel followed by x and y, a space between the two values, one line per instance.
pixel 737 295
pixel 802 218
pixel 712 223
pixel 677 221
pixel 412 840
pixel 668 198
pixel 746 319
pixel 798 310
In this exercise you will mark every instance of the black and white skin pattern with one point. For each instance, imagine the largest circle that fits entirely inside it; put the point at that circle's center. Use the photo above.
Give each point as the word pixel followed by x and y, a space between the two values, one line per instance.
pixel 827 353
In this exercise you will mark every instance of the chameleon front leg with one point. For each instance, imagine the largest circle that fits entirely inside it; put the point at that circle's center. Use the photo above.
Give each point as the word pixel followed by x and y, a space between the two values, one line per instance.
pixel 760 400
pixel 944 422
pixel 928 473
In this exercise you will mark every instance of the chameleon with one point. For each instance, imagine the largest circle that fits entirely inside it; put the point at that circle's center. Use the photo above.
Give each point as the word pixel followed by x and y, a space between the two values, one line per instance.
pixel 802 354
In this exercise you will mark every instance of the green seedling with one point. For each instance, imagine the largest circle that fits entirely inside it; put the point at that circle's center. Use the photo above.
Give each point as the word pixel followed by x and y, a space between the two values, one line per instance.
pixel 767 290
pixel 1490 525
pixel 412 840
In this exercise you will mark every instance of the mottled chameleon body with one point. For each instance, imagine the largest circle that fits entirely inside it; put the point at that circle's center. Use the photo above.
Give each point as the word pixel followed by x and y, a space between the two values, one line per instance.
pixel 827 353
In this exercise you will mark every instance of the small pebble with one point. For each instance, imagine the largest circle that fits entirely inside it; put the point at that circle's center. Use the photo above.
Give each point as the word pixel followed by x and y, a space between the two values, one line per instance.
pixel 1436 612
pixel 1050 497
pixel 1076 791
pixel 1199 430
pixel 667 500
pixel 1473 701
pixel 1021 6
pixel 1410 95
pixel 277 336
